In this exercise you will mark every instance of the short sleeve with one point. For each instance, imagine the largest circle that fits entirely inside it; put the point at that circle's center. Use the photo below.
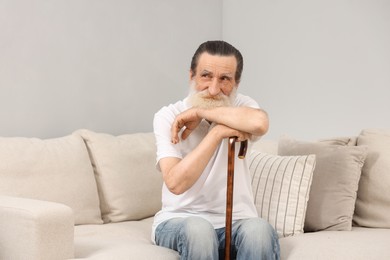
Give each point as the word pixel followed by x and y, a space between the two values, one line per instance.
pixel 245 101
pixel 162 122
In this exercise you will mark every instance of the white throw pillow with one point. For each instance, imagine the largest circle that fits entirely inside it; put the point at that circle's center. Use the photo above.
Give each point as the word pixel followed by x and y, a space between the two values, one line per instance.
pixel 56 170
pixel 129 184
pixel 281 187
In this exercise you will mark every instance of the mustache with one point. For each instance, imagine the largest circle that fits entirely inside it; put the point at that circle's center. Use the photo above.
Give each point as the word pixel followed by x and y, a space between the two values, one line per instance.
pixel 203 98
pixel 206 95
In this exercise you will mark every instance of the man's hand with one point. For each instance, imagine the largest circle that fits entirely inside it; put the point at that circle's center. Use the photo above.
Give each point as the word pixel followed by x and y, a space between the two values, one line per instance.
pixel 223 132
pixel 188 119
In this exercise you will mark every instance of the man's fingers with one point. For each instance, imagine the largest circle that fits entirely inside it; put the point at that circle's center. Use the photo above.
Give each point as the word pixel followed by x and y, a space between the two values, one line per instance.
pixel 187 119
pixel 175 132
pixel 242 136
pixel 176 127
pixel 186 133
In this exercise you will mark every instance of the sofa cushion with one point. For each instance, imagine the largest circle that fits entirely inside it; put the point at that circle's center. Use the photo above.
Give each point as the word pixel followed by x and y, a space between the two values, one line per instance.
pixel 342 140
pixel 358 244
pixel 129 184
pixel 281 187
pixel 373 198
pixel 265 146
pixel 119 241
pixel 335 182
pixel 56 170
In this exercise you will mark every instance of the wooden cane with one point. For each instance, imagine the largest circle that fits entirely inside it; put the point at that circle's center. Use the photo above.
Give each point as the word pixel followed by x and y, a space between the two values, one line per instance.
pixel 229 190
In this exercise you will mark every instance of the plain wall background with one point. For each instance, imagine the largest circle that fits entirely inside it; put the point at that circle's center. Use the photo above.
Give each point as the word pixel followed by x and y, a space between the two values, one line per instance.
pixel 320 68
pixel 105 65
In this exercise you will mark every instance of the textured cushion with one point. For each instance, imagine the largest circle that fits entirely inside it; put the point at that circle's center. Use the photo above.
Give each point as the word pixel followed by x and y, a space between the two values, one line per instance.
pixel 35 229
pixel 335 182
pixel 345 140
pixel 373 201
pixel 128 183
pixel 281 187
pixel 265 146
pixel 57 170
pixel 128 240
pixel 358 244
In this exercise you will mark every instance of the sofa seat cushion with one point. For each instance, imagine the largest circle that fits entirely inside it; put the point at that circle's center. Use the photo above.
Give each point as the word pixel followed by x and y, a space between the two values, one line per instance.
pixel 56 170
pixel 122 240
pixel 358 244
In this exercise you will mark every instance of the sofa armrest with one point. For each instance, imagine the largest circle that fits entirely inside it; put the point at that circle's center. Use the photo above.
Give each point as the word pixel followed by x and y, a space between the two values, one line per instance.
pixel 34 229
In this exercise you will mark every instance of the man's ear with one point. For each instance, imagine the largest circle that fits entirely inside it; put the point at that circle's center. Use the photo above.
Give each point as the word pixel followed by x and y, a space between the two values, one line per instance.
pixel 192 75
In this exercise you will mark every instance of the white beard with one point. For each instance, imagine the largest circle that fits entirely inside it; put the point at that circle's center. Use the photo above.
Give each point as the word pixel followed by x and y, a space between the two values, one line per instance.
pixel 202 99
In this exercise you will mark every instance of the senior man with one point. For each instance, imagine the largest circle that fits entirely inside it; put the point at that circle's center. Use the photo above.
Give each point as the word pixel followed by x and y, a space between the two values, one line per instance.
pixel 192 147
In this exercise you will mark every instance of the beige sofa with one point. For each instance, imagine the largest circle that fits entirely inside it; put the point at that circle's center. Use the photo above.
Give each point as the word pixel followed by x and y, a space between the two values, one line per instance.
pixel 93 196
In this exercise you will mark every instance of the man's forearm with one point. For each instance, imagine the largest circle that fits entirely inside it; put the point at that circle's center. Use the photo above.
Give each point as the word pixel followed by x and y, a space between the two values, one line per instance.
pixel 180 175
pixel 246 119
pixel 184 173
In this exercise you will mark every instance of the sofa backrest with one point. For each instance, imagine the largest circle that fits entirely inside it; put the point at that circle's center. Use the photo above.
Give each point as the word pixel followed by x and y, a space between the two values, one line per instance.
pixel 128 182
pixel 56 170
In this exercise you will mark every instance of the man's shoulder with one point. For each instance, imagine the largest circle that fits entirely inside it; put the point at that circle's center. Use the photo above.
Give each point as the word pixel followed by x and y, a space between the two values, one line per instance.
pixel 243 100
pixel 170 111
pixel 175 108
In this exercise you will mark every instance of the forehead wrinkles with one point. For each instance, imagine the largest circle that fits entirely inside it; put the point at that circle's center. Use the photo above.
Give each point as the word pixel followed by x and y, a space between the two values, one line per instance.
pixel 217 64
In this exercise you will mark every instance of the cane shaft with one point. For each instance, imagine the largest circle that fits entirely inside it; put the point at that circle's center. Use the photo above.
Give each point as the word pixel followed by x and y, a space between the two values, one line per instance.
pixel 229 197
pixel 229 190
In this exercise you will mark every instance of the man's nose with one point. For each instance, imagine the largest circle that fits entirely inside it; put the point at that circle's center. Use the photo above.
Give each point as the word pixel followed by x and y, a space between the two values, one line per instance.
pixel 214 87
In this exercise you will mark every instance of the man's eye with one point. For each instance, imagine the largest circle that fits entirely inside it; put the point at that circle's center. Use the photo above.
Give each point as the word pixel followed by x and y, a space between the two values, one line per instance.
pixel 225 79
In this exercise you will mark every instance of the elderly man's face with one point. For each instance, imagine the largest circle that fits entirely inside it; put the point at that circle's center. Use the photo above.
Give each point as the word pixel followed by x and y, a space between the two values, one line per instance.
pixel 214 83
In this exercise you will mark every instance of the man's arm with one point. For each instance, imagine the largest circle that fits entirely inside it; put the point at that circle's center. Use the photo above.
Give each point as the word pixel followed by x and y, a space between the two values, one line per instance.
pixel 180 174
pixel 245 119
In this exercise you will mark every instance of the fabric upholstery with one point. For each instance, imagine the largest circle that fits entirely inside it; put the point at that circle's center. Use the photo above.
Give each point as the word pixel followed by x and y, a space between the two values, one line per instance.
pixel 358 244
pixel 129 184
pixel 123 240
pixel 57 170
pixel 373 199
pixel 35 229
pixel 281 187
pixel 335 182
pixel 265 146
pixel 343 140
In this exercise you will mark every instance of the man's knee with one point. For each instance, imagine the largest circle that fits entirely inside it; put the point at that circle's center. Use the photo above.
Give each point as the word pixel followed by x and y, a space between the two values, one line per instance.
pixel 257 231
pixel 196 228
pixel 257 237
pixel 256 227
pixel 198 239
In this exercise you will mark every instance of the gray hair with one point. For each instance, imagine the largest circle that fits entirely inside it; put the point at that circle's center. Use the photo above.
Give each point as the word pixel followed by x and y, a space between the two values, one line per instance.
pixel 221 48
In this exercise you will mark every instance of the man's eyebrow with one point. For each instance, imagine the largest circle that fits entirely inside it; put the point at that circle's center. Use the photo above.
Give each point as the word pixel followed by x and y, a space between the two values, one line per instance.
pixel 205 72
pixel 228 74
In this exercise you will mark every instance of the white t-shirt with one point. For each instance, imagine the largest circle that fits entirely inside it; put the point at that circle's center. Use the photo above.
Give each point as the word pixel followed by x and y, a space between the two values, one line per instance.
pixel 207 197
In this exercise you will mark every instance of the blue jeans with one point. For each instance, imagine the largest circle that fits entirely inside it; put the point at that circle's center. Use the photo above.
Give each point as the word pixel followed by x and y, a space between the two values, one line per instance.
pixel 196 239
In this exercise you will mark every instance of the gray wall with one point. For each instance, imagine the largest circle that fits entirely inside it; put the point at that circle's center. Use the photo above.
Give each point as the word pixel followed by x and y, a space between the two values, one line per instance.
pixel 105 65
pixel 320 68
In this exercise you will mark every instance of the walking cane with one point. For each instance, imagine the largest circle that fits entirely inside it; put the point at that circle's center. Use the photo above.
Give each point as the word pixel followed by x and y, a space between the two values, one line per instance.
pixel 229 190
